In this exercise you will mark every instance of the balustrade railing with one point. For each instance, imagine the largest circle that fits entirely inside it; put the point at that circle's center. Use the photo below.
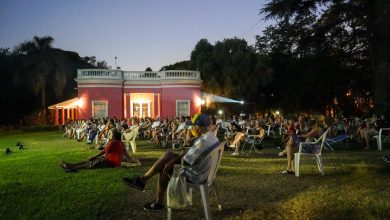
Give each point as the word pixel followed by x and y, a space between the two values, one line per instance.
pixel 137 75
pixel 129 75
pixel 99 74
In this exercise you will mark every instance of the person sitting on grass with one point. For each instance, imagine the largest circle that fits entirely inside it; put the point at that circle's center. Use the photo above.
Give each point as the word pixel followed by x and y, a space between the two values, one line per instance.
pixel 164 165
pixel 111 156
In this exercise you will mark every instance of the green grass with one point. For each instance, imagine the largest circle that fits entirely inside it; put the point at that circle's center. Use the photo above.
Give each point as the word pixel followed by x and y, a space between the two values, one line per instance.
pixel 32 185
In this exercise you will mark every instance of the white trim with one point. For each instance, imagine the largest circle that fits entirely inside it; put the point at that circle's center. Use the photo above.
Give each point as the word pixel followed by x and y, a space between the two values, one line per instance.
pixel 189 107
pixel 142 87
pixel 180 86
pixel 162 86
pixel 101 86
pixel 93 102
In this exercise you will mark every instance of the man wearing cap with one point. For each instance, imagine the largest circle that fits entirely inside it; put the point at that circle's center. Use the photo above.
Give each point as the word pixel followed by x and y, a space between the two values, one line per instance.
pixel 164 165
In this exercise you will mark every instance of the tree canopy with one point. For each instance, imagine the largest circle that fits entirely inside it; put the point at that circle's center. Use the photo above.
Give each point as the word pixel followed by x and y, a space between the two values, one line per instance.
pixel 35 74
pixel 345 40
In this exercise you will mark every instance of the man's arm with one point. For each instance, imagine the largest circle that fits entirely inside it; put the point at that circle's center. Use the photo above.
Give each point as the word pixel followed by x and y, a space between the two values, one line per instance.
pixel 97 155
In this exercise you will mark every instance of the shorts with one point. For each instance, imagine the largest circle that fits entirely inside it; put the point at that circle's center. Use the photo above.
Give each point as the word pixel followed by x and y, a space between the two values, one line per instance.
pixel 99 162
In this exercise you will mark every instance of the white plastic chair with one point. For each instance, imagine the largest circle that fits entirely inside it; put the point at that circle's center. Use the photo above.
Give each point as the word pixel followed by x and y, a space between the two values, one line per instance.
pixel 379 137
pixel 216 156
pixel 129 139
pixel 270 129
pixel 320 141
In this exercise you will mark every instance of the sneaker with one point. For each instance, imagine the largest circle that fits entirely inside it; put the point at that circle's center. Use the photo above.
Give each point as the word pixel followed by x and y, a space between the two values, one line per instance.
pixel 235 154
pixel 232 146
pixel 154 206
pixel 281 154
pixel 285 172
pixel 135 183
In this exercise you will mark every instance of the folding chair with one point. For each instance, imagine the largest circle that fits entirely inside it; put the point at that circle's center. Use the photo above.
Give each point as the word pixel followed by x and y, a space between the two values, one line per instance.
pixel 330 141
pixel 253 141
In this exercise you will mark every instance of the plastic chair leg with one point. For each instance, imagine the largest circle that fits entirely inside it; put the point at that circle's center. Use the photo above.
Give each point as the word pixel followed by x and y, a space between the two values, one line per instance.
pixel 296 164
pixel 216 193
pixel 204 191
pixel 169 214
pixel 133 147
pixel 319 164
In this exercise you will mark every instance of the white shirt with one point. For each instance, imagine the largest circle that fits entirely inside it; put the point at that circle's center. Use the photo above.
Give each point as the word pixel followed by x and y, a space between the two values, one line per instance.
pixel 199 172
pixel 156 124
pixel 181 127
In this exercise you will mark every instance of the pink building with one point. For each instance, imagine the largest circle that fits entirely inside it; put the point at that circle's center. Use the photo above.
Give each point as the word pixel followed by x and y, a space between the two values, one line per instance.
pixel 126 94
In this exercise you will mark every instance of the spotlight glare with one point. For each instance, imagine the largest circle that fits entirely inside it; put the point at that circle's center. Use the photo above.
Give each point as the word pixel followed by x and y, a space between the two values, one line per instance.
pixel 220 112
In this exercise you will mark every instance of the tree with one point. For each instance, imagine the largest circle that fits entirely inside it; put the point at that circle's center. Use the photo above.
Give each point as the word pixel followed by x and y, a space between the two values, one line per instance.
pixel 231 68
pixel 357 29
pixel 38 64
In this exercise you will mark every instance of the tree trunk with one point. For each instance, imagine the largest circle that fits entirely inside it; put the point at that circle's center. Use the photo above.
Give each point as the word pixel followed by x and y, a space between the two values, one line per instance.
pixel 43 100
pixel 380 53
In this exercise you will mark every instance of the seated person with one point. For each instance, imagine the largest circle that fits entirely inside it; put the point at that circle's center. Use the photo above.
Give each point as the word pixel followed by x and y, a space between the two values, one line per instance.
pixel 192 133
pixel 214 126
pixel 256 130
pixel 286 135
pixel 364 132
pixel 154 128
pixel 367 129
pixel 110 156
pixel 236 135
pixel 295 140
pixel 164 165
pixel 180 126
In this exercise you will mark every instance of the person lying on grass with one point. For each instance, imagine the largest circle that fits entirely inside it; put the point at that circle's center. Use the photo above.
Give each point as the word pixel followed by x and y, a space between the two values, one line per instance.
pixel 111 156
pixel 164 165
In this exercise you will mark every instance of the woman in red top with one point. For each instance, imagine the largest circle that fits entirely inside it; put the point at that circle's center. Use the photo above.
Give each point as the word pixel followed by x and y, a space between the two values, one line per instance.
pixel 110 156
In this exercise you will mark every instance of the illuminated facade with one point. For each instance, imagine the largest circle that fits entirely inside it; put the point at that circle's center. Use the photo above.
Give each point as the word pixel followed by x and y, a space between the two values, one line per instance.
pixel 125 94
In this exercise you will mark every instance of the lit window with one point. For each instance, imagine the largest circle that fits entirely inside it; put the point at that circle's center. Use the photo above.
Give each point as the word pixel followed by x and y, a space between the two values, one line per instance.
pixel 99 108
pixel 182 107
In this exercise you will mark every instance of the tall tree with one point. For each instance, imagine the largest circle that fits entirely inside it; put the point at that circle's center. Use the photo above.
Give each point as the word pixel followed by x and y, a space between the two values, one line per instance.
pixel 38 64
pixel 359 28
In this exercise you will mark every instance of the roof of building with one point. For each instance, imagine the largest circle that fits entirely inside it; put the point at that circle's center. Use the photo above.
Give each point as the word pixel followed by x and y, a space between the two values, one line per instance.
pixel 71 103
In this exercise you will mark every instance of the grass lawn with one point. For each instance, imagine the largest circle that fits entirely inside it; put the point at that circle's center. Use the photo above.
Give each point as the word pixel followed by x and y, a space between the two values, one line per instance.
pixel 32 185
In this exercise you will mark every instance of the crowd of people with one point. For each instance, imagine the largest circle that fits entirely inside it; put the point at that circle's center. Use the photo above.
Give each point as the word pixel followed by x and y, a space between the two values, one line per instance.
pixel 195 135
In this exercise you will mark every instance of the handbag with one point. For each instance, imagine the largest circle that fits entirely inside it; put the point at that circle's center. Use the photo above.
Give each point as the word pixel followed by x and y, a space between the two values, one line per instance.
pixel 177 195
